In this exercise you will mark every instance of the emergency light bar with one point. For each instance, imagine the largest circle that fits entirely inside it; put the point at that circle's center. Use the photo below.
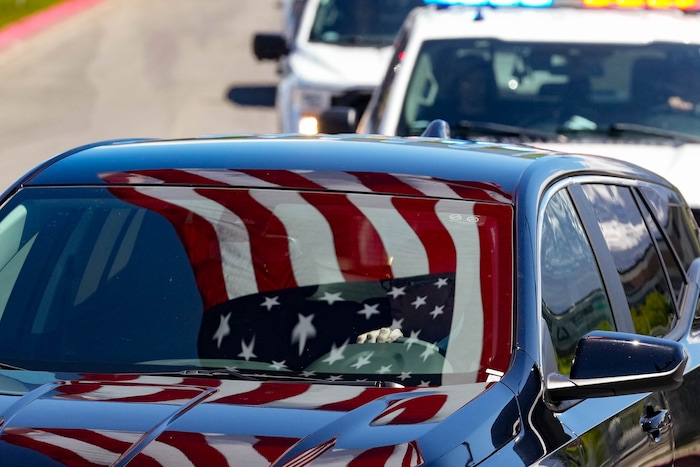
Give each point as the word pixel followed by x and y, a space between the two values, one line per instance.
pixel 639 4
pixel 651 4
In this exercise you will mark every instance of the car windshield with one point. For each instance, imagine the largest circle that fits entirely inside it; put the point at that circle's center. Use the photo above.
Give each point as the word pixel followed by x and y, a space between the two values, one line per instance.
pixel 649 91
pixel 370 23
pixel 271 281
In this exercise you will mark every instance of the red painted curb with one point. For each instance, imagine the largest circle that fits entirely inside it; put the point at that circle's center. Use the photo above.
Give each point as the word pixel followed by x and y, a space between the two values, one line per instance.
pixel 41 20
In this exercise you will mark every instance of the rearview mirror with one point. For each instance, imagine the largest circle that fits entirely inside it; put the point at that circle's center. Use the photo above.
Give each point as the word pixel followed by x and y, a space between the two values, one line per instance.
pixel 269 46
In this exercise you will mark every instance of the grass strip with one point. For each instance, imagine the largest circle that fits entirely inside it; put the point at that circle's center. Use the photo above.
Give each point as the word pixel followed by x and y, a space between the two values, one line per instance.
pixel 14 10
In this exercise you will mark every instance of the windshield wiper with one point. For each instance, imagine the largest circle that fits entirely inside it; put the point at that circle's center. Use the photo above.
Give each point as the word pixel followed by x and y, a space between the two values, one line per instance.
pixel 206 372
pixel 618 128
pixel 507 130
pixel 229 372
pixel 7 366
pixel 362 41
pixel 306 379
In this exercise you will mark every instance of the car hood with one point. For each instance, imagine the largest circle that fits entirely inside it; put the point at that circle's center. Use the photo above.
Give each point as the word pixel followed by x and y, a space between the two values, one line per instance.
pixel 339 67
pixel 674 163
pixel 111 420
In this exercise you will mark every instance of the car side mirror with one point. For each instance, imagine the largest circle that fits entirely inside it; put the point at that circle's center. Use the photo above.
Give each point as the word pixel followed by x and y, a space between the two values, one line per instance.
pixel 269 46
pixel 338 120
pixel 613 363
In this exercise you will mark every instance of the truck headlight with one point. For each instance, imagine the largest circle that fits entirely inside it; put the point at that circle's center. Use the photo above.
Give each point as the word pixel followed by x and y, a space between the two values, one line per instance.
pixel 309 103
pixel 311 99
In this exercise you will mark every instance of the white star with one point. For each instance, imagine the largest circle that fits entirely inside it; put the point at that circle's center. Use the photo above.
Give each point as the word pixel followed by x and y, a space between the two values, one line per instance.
pixel 405 375
pixel 424 384
pixel 331 298
pixel 336 353
pixel 303 330
pixel 369 310
pixel 223 330
pixel 397 291
pixel 429 350
pixel 397 323
pixel 412 339
pixel 384 369
pixel 362 361
pixel 441 282
pixel 247 350
pixel 270 302
pixel 419 301
pixel 438 310
pixel 278 365
pixel 308 374
pixel 334 378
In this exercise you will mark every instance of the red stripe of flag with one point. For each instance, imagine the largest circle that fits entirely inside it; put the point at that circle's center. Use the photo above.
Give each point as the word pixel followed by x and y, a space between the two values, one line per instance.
pixel 284 178
pixel 265 393
pixel 438 243
pixel 194 446
pixel 412 410
pixel 359 248
pixel 269 244
pixel 197 236
pixel 28 438
pixel 365 397
pixel 496 274
pixel 385 183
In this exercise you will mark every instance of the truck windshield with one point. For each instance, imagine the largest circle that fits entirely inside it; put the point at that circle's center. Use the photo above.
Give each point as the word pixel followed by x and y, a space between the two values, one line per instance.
pixel 369 23
pixel 579 90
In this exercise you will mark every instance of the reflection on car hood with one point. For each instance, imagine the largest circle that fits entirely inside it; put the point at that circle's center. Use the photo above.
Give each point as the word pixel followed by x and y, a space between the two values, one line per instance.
pixel 193 421
pixel 675 163
pixel 340 66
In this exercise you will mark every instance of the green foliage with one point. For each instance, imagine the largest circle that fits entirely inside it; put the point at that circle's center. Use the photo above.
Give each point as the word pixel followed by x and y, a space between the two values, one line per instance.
pixel 653 317
pixel 13 10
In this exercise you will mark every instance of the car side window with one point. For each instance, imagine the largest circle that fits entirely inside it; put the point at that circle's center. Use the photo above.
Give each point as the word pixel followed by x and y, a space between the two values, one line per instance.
pixel 574 301
pixel 675 273
pixel 635 256
pixel 676 220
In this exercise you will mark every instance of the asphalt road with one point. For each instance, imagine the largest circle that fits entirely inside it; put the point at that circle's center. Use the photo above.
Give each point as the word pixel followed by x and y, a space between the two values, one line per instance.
pixel 135 68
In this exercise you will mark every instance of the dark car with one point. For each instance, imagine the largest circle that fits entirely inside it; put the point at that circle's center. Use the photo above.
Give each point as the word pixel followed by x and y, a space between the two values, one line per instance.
pixel 208 302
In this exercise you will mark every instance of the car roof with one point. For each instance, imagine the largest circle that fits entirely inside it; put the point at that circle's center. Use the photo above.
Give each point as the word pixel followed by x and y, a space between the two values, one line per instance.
pixel 450 160
pixel 557 24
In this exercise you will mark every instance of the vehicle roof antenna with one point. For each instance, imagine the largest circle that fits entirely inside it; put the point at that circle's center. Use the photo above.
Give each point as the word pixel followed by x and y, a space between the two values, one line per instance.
pixel 437 129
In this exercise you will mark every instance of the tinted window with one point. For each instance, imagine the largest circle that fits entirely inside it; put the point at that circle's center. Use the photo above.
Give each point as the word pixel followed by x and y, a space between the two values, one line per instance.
pixel 635 256
pixel 676 221
pixel 564 87
pixel 574 301
pixel 368 23
pixel 675 272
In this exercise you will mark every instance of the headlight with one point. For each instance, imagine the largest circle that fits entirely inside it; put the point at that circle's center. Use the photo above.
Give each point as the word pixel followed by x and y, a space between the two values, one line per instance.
pixel 309 103
pixel 308 125
pixel 311 99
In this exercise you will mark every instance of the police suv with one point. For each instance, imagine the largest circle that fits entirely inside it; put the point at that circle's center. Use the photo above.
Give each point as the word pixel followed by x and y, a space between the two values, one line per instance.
pixel 618 79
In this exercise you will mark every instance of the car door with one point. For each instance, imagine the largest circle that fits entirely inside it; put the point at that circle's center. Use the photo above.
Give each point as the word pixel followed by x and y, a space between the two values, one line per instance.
pixel 676 234
pixel 598 262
